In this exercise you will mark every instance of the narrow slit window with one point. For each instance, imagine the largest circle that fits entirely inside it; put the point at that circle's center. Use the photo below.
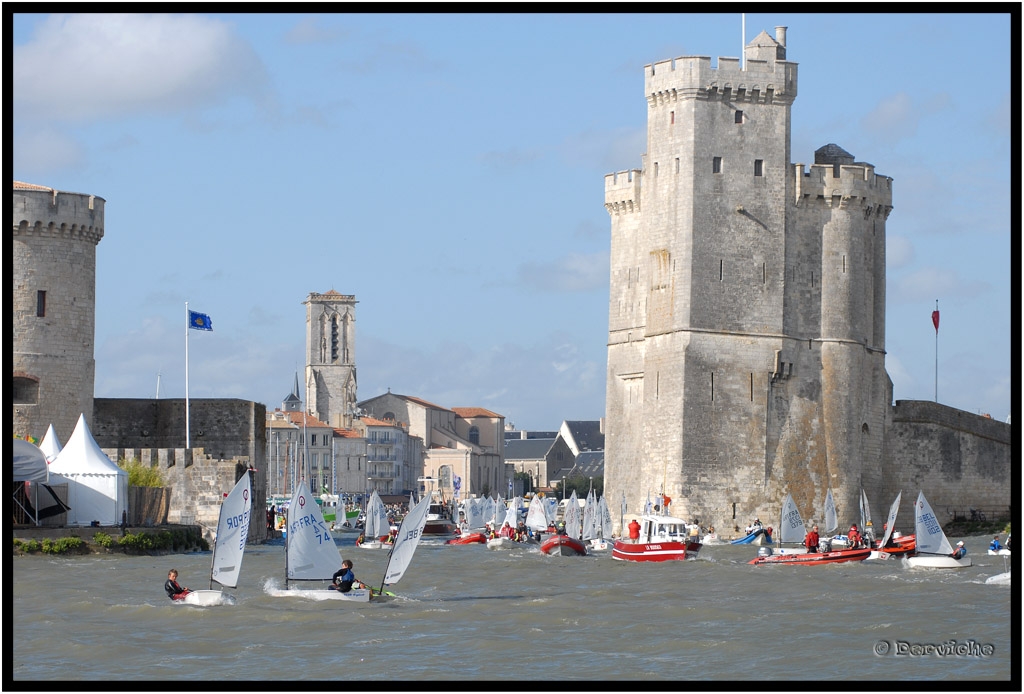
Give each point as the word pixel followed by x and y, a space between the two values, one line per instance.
pixel 751 387
pixel 41 304
pixel 759 167
pixel 739 116
pixel 655 169
pixel 677 164
pixel 764 273
pixel 721 270
pixel 716 165
pixel 712 385
pixel 844 264
pixel 671 117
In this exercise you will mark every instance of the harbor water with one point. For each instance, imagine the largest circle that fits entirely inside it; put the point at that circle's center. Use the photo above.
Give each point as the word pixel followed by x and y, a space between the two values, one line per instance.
pixel 471 614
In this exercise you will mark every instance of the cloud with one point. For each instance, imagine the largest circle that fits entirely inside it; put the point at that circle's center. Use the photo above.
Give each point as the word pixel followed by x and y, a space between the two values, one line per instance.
pixel 899 251
pixel 930 282
pixel 312 30
pixel 40 151
pixel 85 67
pixel 574 272
pixel 897 117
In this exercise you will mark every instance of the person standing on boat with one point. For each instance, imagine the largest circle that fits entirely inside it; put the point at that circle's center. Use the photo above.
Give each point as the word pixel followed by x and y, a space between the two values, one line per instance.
pixel 344 580
pixel 995 546
pixel 811 540
pixel 634 531
pixel 174 590
pixel 960 552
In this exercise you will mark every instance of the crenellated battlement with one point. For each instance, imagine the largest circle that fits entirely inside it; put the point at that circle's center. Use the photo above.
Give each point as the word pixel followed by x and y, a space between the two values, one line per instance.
pixel 693 77
pixel 819 183
pixel 622 192
pixel 83 232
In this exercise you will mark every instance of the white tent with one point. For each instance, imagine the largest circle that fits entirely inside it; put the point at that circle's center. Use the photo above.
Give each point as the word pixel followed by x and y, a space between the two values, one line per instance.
pixel 31 477
pixel 97 488
pixel 50 445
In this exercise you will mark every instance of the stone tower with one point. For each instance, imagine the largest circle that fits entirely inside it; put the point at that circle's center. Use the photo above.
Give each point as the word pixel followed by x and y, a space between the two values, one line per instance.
pixel 331 357
pixel 745 346
pixel 54 308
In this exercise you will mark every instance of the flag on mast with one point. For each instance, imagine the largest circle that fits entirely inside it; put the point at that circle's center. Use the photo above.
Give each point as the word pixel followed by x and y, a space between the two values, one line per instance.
pixel 199 321
pixel 935 317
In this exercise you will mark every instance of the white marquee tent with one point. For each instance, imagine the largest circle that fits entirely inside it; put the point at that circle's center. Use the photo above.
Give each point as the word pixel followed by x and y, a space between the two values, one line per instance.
pixel 50 445
pixel 97 488
pixel 31 482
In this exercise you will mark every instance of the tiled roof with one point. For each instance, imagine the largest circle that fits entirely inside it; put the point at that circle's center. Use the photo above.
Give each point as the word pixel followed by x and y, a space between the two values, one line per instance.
pixel 371 422
pixel 347 433
pixel 468 412
pixel 527 449
pixel 20 185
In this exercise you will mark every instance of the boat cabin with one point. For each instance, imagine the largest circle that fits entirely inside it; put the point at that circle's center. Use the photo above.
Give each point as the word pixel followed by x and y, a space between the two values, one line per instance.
pixel 664 529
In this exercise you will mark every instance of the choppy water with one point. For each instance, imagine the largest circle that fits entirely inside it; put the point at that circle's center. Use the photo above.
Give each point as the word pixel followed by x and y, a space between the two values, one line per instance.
pixel 469 613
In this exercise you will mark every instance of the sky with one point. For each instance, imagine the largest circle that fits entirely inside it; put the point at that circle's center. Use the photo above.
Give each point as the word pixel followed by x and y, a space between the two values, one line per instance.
pixel 448 171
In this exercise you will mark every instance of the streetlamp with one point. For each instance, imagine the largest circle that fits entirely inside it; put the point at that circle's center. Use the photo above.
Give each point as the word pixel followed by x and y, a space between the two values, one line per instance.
pixel 563 489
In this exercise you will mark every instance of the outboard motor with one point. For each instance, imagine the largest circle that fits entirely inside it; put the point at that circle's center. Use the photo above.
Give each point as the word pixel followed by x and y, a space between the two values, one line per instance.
pixel 764 551
pixel 824 546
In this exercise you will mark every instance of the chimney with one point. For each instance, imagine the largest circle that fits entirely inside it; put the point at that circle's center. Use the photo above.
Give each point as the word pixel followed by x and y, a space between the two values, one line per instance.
pixel 780 36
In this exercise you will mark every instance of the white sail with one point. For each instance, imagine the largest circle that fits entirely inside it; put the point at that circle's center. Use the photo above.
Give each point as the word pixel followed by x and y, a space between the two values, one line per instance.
pixel 311 552
pixel 865 512
pixel 408 540
pixel 930 537
pixel 831 522
pixel 474 513
pixel 232 532
pixel 791 525
pixel 573 517
pixel 377 523
pixel 536 517
pixel 590 518
pixel 499 513
pixel 605 517
pixel 891 520
pixel 512 514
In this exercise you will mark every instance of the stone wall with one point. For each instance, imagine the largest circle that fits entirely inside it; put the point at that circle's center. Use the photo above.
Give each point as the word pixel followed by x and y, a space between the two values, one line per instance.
pixel 228 437
pixel 958 459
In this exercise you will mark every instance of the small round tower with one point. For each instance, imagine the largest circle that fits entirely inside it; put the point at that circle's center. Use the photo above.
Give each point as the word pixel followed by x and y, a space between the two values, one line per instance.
pixel 54 307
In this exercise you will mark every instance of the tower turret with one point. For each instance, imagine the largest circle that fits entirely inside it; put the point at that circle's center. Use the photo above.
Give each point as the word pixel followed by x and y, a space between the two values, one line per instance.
pixel 54 305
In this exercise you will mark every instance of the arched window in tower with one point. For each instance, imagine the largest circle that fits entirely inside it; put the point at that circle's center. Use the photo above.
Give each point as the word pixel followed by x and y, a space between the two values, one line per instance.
pixel 388 417
pixel 474 435
pixel 335 336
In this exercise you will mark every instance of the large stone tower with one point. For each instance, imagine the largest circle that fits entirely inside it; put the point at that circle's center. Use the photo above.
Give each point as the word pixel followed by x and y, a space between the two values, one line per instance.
pixel 54 306
pixel 745 346
pixel 331 357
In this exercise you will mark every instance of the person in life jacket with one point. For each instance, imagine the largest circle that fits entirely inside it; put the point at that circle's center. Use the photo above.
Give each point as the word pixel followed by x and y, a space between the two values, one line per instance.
pixel 175 591
pixel 995 546
pixel 811 540
pixel 634 531
pixel 854 537
pixel 960 550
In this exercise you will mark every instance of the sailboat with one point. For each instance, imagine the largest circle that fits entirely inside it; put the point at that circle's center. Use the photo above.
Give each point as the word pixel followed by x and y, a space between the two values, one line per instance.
pixel 310 551
pixel 791 531
pixel 511 519
pixel 410 532
pixel 900 546
pixel 603 526
pixel 472 530
pixel 566 541
pixel 229 546
pixel 537 517
pixel 933 548
pixel 377 526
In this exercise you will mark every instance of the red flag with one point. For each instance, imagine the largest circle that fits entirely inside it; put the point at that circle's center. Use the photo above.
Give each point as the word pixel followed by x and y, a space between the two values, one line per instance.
pixel 935 319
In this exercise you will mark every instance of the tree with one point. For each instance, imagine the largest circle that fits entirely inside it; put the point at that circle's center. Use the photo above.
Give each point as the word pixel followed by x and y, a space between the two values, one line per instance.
pixel 140 475
pixel 580 484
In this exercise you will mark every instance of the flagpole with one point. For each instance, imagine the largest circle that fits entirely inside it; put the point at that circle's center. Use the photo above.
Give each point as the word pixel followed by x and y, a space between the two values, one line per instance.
pixel 935 322
pixel 188 437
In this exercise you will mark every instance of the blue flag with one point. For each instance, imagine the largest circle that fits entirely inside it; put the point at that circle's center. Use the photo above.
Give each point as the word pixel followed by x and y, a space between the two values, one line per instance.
pixel 199 321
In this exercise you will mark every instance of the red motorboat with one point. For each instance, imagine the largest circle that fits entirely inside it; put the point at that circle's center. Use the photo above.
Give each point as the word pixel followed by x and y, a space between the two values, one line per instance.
pixel 766 556
pixel 902 546
pixel 468 539
pixel 564 545
pixel 662 538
